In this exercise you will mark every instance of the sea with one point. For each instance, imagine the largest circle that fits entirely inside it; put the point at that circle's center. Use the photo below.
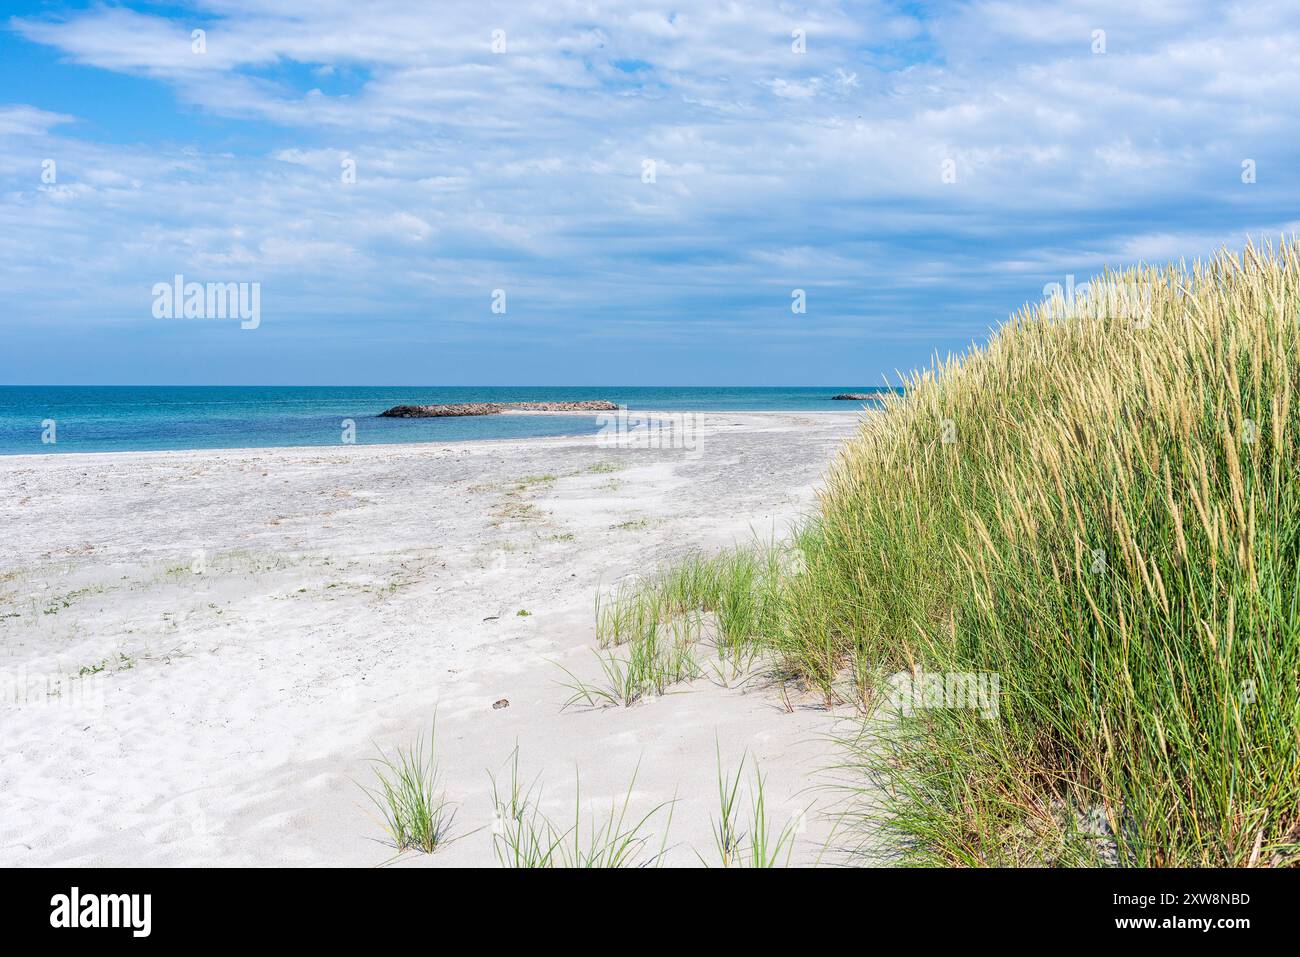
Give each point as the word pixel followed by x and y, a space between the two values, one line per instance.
pixel 55 419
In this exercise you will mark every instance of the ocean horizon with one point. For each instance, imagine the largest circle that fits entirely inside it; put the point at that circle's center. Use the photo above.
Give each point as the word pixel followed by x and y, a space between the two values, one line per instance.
pixel 53 419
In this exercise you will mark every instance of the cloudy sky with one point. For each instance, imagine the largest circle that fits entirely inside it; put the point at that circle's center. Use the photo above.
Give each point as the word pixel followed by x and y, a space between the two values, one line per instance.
pixel 508 146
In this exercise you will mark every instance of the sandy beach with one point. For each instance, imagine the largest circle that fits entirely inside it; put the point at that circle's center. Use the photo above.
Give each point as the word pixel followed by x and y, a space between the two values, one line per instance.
pixel 202 650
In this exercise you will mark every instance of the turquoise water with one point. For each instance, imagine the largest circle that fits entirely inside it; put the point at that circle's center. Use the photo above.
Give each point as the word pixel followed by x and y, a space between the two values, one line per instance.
pixel 140 418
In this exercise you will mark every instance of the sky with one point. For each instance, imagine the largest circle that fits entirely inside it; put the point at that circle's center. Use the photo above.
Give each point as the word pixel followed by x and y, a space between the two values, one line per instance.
pixel 643 188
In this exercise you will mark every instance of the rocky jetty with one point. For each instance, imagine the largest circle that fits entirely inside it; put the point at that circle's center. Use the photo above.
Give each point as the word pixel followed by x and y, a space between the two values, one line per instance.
pixel 493 408
pixel 435 411
pixel 854 396
pixel 593 405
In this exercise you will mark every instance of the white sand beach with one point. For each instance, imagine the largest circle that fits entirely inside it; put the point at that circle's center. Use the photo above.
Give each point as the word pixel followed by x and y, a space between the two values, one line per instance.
pixel 200 650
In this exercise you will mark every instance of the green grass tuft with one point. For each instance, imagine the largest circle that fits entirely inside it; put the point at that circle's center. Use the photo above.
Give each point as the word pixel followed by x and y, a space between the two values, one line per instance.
pixel 415 811
pixel 524 837
pixel 754 844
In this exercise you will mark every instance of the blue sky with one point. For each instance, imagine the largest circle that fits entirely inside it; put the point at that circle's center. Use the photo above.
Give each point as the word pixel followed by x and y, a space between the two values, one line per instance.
pixel 522 170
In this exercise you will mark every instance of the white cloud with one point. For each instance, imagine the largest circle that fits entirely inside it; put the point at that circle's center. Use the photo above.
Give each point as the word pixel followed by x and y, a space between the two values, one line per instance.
pixel 20 120
pixel 476 169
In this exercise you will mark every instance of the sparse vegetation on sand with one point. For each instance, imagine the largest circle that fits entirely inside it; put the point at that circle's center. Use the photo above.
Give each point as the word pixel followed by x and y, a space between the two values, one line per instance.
pixel 657 633
pixel 415 811
pixel 1101 508
pixel 523 836
pixel 751 842
pixel 642 669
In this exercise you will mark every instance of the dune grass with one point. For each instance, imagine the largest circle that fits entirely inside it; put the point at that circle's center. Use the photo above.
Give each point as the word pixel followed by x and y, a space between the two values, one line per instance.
pixel 653 634
pixel 521 835
pixel 409 798
pixel 647 669
pixel 752 842
pixel 524 837
pixel 1101 508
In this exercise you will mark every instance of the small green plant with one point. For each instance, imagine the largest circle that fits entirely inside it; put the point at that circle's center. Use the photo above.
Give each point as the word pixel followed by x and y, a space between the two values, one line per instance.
pixel 415 810
pixel 766 847
pixel 523 613
pixel 758 845
pixel 522 836
pixel 121 662
pixel 615 840
pixel 727 835
pixel 643 668
pixel 632 523
pixel 629 612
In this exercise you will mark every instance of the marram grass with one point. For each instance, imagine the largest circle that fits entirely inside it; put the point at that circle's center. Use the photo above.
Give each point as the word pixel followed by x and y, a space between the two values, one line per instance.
pixel 752 843
pixel 524 837
pixel 416 813
pixel 1102 508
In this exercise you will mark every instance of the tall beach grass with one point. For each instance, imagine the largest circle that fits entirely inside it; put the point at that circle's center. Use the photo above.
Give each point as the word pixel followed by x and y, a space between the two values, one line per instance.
pixel 1100 507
